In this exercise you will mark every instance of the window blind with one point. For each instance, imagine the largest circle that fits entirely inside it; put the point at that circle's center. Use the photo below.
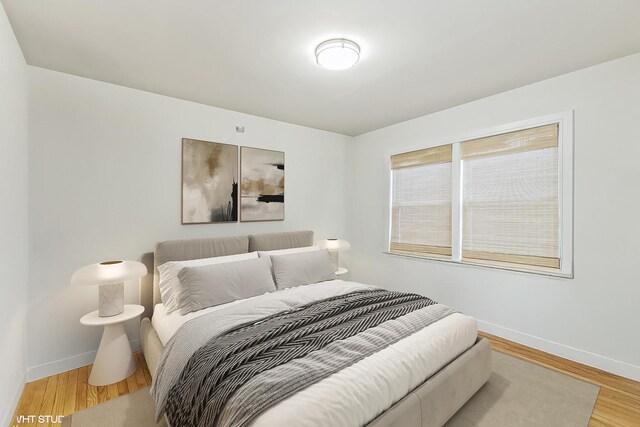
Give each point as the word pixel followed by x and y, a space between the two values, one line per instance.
pixel 510 198
pixel 421 202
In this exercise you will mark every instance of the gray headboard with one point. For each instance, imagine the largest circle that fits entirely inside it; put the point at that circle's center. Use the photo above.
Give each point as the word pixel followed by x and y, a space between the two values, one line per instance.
pixel 180 250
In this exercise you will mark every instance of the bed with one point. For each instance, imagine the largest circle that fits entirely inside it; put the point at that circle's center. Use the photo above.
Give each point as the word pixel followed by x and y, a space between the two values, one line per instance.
pixel 419 383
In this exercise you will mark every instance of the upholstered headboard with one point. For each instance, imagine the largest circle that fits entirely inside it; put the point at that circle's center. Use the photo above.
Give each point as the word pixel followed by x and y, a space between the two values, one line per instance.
pixel 180 250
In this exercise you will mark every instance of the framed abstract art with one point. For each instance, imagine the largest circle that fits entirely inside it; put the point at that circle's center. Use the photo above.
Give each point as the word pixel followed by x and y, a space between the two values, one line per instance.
pixel 261 185
pixel 209 182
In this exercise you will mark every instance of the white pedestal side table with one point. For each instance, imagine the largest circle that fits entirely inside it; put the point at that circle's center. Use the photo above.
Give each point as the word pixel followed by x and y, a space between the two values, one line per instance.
pixel 114 361
pixel 341 271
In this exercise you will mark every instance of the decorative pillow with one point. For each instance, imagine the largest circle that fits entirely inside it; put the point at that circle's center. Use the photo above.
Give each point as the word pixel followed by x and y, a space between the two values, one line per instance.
pixel 211 285
pixel 302 268
pixel 170 285
pixel 267 254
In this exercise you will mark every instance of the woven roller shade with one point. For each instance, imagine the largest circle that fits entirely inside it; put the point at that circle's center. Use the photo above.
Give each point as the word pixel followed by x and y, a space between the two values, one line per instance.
pixel 510 198
pixel 428 156
pixel 512 142
pixel 421 206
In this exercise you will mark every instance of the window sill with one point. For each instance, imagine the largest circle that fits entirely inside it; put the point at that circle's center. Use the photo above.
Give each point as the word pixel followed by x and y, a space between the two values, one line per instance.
pixel 541 271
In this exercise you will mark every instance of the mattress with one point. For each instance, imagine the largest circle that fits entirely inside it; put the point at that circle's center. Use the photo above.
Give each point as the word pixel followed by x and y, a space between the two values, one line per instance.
pixel 357 394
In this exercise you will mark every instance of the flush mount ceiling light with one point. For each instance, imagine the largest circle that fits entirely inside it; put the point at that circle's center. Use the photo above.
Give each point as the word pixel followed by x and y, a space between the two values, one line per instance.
pixel 337 54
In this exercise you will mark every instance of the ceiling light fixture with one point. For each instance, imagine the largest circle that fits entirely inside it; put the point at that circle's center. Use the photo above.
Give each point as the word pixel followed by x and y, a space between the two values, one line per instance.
pixel 337 54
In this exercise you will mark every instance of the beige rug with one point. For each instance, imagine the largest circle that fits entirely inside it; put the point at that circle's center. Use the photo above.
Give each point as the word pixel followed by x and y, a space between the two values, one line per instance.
pixel 518 394
pixel 523 394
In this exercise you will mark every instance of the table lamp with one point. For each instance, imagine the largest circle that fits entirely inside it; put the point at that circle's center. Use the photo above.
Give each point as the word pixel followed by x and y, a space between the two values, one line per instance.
pixel 110 276
pixel 335 246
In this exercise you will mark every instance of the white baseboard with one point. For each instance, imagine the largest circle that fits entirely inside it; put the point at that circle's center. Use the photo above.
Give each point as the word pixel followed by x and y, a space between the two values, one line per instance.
pixel 617 367
pixel 6 419
pixel 67 364
pixel 601 362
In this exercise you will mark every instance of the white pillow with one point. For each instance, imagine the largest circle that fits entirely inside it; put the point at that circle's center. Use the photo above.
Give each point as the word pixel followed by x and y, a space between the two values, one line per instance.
pixel 267 254
pixel 170 284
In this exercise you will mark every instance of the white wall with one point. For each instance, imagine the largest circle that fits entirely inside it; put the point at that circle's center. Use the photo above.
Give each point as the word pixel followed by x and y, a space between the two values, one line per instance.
pixel 593 318
pixel 105 183
pixel 13 219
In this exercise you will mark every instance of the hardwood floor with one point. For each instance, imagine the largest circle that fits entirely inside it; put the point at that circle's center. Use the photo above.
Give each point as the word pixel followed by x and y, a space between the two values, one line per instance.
pixel 69 392
pixel 618 403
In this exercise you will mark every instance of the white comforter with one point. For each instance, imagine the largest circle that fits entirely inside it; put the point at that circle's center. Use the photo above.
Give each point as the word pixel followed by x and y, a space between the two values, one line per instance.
pixel 359 393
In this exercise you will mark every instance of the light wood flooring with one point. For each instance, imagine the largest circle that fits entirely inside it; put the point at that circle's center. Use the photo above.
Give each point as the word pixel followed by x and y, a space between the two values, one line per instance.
pixel 69 392
pixel 618 403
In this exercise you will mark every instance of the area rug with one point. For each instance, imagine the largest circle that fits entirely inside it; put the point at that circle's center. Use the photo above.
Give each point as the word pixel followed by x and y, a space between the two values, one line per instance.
pixel 523 394
pixel 518 394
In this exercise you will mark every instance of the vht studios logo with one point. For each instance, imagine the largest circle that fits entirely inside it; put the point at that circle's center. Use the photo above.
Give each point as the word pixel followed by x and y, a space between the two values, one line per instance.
pixel 40 419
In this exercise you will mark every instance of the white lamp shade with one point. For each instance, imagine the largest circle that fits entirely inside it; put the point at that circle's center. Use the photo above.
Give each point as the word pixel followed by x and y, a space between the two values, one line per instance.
pixel 108 272
pixel 335 245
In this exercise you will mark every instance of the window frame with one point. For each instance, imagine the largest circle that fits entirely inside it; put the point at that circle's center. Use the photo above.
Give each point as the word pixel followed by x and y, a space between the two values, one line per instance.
pixel 565 194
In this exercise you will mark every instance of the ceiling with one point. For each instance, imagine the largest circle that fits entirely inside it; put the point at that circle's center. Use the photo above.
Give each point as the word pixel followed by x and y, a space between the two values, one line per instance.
pixel 256 57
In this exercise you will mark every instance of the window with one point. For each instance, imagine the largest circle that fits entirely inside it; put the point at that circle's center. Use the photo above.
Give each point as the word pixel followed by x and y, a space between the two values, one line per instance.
pixel 421 205
pixel 493 200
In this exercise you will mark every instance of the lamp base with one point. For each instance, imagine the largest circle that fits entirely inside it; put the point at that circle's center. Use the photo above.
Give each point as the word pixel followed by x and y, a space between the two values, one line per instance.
pixel 111 300
pixel 334 260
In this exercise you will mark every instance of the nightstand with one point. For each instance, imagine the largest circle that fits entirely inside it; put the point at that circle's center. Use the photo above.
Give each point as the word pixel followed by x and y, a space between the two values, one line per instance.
pixel 114 361
pixel 341 271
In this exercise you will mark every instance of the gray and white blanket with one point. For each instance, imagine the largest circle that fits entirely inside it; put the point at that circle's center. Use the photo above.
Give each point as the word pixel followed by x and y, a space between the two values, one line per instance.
pixel 231 374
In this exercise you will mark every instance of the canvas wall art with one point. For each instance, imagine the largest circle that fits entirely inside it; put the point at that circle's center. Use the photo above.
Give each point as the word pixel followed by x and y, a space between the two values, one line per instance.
pixel 262 185
pixel 209 182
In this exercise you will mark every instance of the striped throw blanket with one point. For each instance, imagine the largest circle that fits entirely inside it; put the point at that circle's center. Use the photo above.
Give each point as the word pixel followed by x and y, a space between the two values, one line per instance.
pixel 234 376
